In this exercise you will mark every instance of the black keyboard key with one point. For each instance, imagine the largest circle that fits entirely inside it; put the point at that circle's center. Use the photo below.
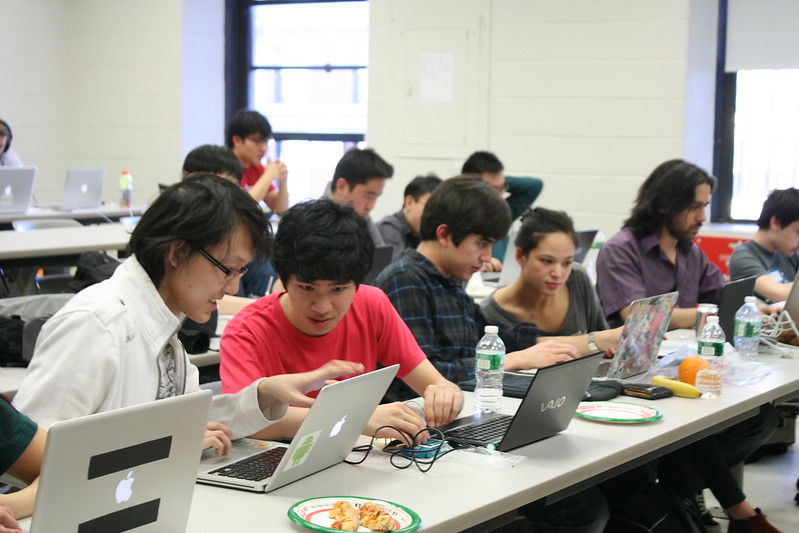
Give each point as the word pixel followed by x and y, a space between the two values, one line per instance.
pixel 255 468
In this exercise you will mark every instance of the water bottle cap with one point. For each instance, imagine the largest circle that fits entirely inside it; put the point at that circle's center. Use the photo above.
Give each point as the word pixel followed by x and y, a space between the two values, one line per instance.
pixel 750 299
pixel 491 329
pixel 713 319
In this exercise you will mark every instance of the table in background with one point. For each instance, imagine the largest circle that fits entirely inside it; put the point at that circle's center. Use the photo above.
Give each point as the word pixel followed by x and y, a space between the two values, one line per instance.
pixel 104 213
pixel 463 491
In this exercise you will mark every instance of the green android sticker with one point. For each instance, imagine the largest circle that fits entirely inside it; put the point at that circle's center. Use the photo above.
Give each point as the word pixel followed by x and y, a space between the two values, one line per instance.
pixel 307 443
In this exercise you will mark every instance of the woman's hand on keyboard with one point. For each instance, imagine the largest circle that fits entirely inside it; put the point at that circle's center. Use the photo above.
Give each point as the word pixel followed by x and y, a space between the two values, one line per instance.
pixel 292 388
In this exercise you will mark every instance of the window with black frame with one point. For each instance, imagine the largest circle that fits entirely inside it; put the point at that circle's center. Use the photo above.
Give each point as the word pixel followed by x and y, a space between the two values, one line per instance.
pixel 306 71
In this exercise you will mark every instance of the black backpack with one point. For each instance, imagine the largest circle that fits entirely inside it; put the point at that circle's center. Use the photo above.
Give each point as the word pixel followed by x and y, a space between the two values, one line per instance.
pixel 654 508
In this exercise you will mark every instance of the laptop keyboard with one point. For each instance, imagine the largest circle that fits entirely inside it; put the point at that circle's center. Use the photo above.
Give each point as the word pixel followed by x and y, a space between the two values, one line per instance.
pixel 255 468
pixel 491 430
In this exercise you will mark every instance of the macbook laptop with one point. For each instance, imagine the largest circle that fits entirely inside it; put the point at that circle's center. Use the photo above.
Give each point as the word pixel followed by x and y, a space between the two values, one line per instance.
pixel 585 239
pixel 792 303
pixel 324 439
pixel 732 298
pixel 642 335
pixel 123 469
pixel 83 188
pixel 380 260
pixel 547 408
pixel 16 188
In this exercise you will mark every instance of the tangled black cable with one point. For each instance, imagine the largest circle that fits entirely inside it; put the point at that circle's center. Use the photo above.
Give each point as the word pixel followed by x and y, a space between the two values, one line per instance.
pixel 406 452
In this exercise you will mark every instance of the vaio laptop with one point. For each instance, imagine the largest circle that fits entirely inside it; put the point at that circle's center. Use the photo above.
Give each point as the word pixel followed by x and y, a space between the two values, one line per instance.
pixel 16 188
pixel 732 298
pixel 83 188
pixel 642 335
pixel 324 439
pixel 380 260
pixel 123 469
pixel 547 409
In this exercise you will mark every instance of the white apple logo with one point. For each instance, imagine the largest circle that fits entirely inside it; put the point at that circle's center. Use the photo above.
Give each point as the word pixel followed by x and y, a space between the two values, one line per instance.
pixel 84 188
pixel 337 426
pixel 125 488
pixel 7 190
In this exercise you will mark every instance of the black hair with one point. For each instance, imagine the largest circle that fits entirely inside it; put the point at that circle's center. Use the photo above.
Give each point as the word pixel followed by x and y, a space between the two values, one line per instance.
pixel 538 223
pixel 212 159
pixel 480 162
pixel 201 211
pixel 246 122
pixel 322 240
pixel 421 185
pixel 359 166
pixel 782 205
pixel 10 136
pixel 669 189
pixel 466 205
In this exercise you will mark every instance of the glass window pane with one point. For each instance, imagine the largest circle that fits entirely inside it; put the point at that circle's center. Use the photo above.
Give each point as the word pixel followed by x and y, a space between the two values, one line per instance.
pixel 311 101
pixel 335 33
pixel 311 165
pixel 766 139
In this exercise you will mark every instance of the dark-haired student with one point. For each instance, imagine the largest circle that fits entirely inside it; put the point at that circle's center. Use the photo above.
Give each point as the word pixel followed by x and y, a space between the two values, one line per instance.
pixel 654 253
pixel 21 452
pixel 401 229
pixel 322 253
pixel 115 343
pixel 247 136
pixel 461 220
pixel 553 298
pixel 8 157
pixel 358 181
pixel 773 253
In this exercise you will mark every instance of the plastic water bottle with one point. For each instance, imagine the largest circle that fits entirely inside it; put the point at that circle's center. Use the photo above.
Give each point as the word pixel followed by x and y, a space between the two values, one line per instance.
pixel 126 189
pixel 489 365
pixel 747 328
pixel 710 346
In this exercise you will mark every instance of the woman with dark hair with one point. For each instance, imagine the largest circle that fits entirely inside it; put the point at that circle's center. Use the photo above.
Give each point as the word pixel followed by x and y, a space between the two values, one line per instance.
pixel 552 297
pixel 21 452
pixel 8 158
pixel 115 343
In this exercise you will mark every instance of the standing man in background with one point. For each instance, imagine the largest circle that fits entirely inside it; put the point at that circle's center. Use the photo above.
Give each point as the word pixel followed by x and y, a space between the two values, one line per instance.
pixel 522 192
pixel 247 135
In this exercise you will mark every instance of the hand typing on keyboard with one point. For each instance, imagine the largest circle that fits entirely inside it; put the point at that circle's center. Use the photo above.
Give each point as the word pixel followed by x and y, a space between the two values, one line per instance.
pixel 217 435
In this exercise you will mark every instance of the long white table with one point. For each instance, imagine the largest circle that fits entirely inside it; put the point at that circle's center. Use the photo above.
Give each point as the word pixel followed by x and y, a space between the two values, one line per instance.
pixel 18 246
pixel 103 213
pixel 465 490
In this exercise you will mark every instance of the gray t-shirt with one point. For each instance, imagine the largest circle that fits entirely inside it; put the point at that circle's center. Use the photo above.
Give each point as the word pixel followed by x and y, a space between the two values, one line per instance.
pixel 751 259
pixel 584 315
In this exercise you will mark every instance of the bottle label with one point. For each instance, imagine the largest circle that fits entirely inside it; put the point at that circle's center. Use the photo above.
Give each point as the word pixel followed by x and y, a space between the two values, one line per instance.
pixel 747 329
pixel 489 361
pixel 710 348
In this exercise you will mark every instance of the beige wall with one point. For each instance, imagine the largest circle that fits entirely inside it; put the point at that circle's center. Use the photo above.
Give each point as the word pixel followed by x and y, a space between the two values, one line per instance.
pixel 588 95
pixel 116 83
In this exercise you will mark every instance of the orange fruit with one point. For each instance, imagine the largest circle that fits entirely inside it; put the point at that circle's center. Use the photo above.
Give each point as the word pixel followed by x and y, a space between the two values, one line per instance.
pixel 690 366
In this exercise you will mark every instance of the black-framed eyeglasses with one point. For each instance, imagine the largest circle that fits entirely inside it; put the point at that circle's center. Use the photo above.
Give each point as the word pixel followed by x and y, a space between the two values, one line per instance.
pixel 229 272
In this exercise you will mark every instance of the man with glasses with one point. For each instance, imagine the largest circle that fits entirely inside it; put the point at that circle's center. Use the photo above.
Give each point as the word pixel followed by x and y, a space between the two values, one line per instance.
pixel 521 193
pixel 115 343
pixel 247 136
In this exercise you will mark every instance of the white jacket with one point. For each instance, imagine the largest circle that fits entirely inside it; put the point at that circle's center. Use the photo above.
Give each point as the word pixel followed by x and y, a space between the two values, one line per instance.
pixel 100 352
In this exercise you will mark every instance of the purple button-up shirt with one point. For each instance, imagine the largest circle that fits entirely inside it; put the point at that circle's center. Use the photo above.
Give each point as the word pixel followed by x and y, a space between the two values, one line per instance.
pixel 629 268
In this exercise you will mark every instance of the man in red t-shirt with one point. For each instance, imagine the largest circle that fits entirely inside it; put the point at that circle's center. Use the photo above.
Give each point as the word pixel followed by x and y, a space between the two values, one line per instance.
pixel 247 135
pixel 322 253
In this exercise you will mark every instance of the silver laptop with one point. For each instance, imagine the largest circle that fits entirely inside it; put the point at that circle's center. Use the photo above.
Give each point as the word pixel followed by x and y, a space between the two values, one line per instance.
pixel 547 408
pixel 123 469
pixel 324 439
pixel 83 188
pixel 641 337
pixel 792 303
pixel 16 188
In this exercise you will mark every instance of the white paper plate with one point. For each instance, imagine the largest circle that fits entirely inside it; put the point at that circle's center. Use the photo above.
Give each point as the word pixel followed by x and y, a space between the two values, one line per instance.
pixel 313 513
pixel 618 412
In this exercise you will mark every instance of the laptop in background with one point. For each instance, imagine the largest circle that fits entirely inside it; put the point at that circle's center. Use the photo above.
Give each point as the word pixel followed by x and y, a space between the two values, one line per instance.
pixel 16 188
pixel 792 303
pixel 547 408
pixel 732 298
pixel 123 469
pixel 325 438
pixel 83 188
pixel 641 337
pixel 585 239
pixel 381 259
